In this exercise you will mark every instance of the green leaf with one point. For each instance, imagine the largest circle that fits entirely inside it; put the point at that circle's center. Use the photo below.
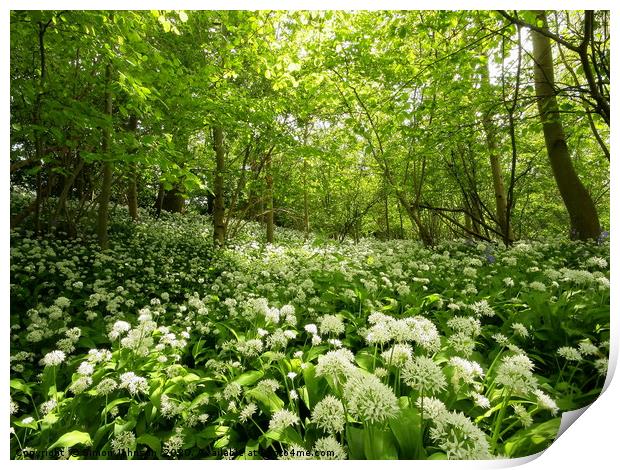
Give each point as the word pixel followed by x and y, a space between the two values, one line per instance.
pixel 286 436
pixel 365 360
pixel 152 441
pixel 183 16
pixel 269 400
pixel 355 441
pixel 19 384
pixel 72 438
pixel 533 439
pixel 249 378
pixel 20 424
pixel 406 428
pixel 379 444
pixel 113 403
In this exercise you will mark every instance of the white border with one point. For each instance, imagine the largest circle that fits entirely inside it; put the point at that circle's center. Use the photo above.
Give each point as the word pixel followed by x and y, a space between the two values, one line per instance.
pixel 591 442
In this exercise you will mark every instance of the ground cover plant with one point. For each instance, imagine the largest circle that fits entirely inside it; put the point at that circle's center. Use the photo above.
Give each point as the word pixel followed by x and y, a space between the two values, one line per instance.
pixel 306 234
pixel 301 349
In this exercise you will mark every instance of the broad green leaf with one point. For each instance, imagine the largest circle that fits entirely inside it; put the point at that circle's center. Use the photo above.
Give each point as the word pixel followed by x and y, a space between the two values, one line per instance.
pixel 531 440
pixel 70 439
pixel 152 441
pixel 379 444
pixel 249 378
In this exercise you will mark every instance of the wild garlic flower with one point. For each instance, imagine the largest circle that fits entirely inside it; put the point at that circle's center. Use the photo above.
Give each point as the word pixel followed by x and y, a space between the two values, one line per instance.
pixel 95 356
pixel 586 348
pixel 133 383
pixel 545 402
pixel 380 372
pixel 521 330
pixel 328 415
pixel 85 368
pixel 462 344
pixel 469 326
pixel 337 364
pixel 268 385
pixel 481 401
pixel 602 365
pixel 459 438
pixel 328 448
pixel 106 386
pixel 467 371
pixel 482 308
pixel 515 373
pixel 424 333
pixel 288 312
pixel 569 353
pixel 250 348
pixel 169 408
pixel 424 375
pixel 247 412
pixel 54 358
pixel 397 355
pixel 173 445
pixel 282 419
pixel 331 324
pixel 369 400
pixel 123 443
pixel 522 415
pixel 232 390
pixel 48 406
pixel 81 384
pixel 311 328
pixel 118 329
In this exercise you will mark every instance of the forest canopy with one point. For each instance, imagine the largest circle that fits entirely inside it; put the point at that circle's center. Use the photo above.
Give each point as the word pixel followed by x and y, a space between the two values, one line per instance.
pixel 392 124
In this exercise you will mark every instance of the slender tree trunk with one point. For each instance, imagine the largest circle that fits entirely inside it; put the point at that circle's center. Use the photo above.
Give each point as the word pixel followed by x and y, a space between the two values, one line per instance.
pixel 159 202
pixel 306 210
pixel 37 120
pixel 386 210
pixel 132 186
pixel 219 212
pixel 106 185
pixel 269 211
pixel 501 205
pixel 62 200
pixel 579 204
pixel 400 219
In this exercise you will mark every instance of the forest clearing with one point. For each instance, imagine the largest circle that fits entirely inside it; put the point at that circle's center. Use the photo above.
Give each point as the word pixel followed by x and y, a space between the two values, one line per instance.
pixel 306 234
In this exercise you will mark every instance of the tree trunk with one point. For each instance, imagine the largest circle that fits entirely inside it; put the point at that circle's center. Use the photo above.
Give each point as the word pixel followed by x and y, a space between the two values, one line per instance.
pixel 219 227
pixel 173 200
pixel 159 201
pixel 579 204
pixel 501 204
pixel 62 200
pixel 37 121
pixel 269 212
pixel 132 186
pixel 386 210
pixel 306 210
pixel 106 185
